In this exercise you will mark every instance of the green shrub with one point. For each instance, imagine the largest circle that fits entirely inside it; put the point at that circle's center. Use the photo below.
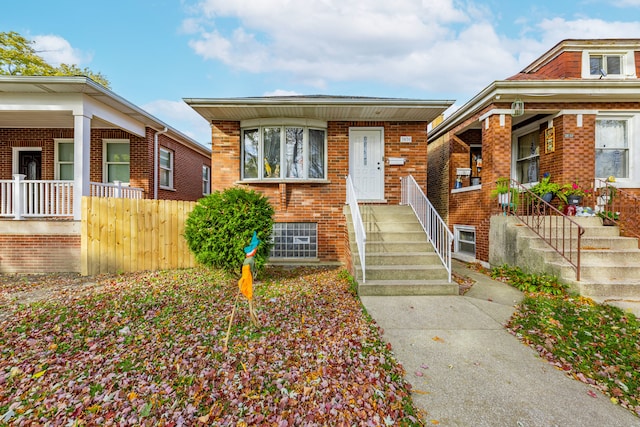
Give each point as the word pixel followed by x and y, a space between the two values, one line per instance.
pixel 222 224
pixel 526 282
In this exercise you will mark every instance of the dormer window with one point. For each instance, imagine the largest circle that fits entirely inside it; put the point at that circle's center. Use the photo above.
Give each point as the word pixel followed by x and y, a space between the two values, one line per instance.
pixel 604 65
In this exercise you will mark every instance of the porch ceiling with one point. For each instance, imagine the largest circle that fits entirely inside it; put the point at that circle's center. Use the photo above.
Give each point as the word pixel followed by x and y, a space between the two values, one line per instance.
pixel 45 119
pixel 319 107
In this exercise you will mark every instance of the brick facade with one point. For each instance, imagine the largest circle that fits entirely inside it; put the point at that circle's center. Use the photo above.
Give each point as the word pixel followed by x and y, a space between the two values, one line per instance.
pixel 187 161
pixel 323 202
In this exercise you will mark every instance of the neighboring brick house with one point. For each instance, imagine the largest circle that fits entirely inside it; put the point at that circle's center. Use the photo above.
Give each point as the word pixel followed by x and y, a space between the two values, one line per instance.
pixel 583 94
pixel 299 151
pixel 62 138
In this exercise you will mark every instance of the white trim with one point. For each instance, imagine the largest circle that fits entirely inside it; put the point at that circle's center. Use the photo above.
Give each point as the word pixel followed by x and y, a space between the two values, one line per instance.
pixel 283 121
pixel 105 170
pixel 627 63
pixel 456 238
pixel 16 155
pixel 170 169
pixel 56 155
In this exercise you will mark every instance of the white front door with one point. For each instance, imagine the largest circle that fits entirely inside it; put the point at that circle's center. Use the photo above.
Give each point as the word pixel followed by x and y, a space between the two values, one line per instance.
pixel 366 162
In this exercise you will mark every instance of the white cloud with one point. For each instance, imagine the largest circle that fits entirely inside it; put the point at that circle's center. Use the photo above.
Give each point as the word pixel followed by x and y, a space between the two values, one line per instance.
pixel 281 92
pixel 557 29
pixel 56 50
pixel 441 47
pixel 181 117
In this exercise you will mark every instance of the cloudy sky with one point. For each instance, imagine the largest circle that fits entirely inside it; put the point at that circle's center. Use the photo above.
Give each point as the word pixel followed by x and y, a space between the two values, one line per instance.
pixel 157 52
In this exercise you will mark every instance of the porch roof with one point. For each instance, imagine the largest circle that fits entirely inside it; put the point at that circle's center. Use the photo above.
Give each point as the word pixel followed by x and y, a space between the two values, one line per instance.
pixel 51 101
pixel 321 107
pixel 533 93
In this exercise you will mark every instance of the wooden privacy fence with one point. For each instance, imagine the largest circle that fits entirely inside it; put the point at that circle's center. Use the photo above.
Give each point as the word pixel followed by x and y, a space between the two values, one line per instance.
pixel 122 235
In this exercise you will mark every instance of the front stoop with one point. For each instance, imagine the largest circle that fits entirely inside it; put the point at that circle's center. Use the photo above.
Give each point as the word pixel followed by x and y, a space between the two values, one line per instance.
pixel 399 258
pixel 610 263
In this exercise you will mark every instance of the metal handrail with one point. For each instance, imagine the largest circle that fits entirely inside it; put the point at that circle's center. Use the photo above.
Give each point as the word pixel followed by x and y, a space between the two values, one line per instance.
pixel 358 225
pixel 433 225
pixel 608 197
pixel 552 226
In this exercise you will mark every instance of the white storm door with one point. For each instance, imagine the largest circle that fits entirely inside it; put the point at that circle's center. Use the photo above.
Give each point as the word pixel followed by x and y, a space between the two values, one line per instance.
pixel 366 163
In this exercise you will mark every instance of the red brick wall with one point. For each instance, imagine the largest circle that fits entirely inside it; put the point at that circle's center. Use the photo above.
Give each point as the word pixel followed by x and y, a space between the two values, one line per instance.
pixel 20 253
pixel 573 158
pixel 438 183
pixel 567 65
pixel 323 203
pixel 187 163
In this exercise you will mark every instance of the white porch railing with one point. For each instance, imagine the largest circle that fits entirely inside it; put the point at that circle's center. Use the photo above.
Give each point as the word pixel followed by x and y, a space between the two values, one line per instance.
pixel 117 189
pixel 20 198
pixel 358 225
pixel 436 229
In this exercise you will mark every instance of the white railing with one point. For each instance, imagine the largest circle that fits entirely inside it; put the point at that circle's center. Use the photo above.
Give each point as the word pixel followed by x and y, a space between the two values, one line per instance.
pixel 35 198
pixel 358 225
pixel 117 189
pixel 436 229
pixel 20 198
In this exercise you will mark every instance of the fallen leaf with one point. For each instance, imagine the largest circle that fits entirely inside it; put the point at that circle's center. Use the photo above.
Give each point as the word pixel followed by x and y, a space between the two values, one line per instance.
pixel 592 393
pixel 38 374
pixel 204 419
pixel 437 339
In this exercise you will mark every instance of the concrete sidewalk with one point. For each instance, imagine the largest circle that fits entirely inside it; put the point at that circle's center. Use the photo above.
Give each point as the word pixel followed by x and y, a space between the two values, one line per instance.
pixel 467 370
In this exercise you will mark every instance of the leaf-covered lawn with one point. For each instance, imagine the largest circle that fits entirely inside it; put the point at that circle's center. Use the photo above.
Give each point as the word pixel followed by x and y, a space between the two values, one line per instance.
pixel 147 349
pixel 596 344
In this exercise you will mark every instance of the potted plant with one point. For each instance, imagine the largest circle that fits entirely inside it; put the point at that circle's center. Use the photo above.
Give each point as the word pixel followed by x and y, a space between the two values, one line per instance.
pixel 609 217
pixel 546 190
pixel 574 193
pixel 506 194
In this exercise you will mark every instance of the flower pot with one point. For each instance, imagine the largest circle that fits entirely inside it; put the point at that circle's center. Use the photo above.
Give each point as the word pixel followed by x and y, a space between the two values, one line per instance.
pixel 547 197
pixel 574 200
pixel 608 221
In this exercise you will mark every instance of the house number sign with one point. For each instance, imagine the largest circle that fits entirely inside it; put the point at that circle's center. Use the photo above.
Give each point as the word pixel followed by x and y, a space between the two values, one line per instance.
pixel 405 139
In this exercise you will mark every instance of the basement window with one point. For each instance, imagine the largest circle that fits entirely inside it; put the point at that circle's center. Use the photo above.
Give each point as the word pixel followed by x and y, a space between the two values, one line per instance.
pixel 295 240
pixel 465 239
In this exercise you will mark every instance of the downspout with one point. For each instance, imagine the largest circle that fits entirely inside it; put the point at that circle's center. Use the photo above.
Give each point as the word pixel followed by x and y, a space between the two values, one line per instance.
pixel 156 155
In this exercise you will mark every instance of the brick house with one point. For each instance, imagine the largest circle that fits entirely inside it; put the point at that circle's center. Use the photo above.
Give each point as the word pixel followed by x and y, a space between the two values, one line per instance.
pixel 299 150
pixel 574 112
pixel 62 138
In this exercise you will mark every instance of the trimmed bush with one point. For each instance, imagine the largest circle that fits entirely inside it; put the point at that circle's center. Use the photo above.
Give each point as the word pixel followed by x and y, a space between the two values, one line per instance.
pixel 222 224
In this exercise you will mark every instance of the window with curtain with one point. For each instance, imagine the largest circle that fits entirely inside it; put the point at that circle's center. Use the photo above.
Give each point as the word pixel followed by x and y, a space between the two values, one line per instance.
pixel 527 151
pixel 283 152
pixel 117 161
pixel 64 160
pixel 612 148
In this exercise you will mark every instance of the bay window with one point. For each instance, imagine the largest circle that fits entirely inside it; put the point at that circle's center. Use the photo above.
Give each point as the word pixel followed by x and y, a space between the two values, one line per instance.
pixel 283 152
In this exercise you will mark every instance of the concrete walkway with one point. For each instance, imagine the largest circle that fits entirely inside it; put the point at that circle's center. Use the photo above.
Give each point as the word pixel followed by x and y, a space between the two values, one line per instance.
pixel 467 370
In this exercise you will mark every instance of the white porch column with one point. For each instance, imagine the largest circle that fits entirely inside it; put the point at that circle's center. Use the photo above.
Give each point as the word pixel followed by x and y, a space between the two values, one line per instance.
pixel 81 162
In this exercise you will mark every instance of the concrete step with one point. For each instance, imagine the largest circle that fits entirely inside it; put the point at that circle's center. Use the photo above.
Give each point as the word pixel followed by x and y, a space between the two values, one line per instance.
pixel 590 231
pixel 407 287
pixel 612 273
pixel 397 236
pixel 403 258
pixel 610 290
pixel 404 272
pixel 596 257
pixel 393 226
pixel 393 247
pixel 591 243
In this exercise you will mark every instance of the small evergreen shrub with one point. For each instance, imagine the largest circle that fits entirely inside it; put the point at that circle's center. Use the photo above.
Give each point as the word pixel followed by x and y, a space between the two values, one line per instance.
pixel 222 224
